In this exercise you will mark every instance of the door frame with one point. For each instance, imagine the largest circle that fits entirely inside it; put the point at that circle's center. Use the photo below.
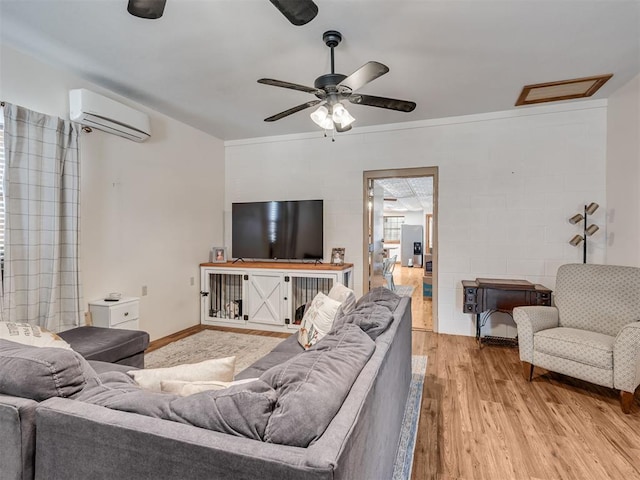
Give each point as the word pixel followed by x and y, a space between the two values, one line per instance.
pixel 368 175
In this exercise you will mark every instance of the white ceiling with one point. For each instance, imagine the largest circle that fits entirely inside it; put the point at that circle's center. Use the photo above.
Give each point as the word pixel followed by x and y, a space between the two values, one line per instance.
pixel 407 194
pixel 199 63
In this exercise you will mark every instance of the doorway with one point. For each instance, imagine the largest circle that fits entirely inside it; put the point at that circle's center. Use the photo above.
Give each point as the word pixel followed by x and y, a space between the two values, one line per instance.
pixel 400 222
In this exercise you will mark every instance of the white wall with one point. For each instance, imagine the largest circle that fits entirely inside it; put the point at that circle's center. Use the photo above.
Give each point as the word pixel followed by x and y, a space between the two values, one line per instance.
pixel 623 175
pixel 508 183
pixel 150 211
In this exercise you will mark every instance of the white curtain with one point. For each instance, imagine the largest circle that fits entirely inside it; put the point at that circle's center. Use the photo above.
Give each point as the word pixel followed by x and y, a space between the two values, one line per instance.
pixel 42 189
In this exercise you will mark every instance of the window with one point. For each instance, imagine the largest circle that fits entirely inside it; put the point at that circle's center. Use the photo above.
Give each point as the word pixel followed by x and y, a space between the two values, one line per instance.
pixel 391 229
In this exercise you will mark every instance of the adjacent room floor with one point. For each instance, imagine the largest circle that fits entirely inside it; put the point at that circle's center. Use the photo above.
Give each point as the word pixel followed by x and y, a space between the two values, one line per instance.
pixel 420 306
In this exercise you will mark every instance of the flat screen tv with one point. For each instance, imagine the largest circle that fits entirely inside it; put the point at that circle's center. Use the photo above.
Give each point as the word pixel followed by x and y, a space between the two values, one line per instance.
pixel 284 230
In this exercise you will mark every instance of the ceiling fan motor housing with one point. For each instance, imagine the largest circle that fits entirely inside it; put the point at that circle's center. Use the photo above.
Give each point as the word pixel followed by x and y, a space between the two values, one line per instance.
pixel 332 38
pixel 328 80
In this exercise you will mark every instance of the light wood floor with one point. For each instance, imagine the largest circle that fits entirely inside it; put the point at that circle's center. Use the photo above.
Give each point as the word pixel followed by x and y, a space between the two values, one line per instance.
pixel 481 420
pixel 420 306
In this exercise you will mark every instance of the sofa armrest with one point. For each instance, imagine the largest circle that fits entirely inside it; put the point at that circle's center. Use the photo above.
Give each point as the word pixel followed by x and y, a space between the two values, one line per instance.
pixel 17 437
pixel 626 358
pixel 529 321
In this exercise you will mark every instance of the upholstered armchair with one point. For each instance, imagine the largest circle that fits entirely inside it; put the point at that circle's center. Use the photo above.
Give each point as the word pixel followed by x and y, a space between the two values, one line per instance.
pixel 593 331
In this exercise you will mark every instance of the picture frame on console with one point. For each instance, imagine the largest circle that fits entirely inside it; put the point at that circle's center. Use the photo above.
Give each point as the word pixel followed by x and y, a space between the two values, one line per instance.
pixel 218 255
pixel 337 256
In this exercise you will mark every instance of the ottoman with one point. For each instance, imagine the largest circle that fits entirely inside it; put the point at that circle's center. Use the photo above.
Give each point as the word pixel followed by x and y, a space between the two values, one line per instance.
pixel 112 345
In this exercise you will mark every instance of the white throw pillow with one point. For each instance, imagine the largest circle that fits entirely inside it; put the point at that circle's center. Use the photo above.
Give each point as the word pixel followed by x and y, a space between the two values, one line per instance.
pixel 189 388
pixel 317 320
pixel 33 335
pixel 345 296
pixel 218 369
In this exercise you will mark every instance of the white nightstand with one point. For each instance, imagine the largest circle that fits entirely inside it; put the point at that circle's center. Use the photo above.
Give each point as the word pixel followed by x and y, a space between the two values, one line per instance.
pixel 121 314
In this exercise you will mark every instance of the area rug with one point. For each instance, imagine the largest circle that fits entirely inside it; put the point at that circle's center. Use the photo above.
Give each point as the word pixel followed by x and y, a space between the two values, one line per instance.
pixel 209 344
pixel 249 348
pixel 409 432
pixel 404 290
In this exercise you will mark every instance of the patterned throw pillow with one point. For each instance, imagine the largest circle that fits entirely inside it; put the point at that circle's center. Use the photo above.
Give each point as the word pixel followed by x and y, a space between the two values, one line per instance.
pixel 33 335
pixel 345 296
pixel 317 320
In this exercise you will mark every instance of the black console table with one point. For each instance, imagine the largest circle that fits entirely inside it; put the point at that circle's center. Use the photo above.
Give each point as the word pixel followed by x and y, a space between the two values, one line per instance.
pixel 500 295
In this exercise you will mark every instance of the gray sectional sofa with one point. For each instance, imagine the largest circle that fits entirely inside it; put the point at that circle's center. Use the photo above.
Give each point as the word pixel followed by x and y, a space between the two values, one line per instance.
pixel 105 349
pixel 78 440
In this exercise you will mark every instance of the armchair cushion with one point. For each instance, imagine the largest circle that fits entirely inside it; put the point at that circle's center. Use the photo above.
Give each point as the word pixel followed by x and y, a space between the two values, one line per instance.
pixel 582 346
pixel 600 298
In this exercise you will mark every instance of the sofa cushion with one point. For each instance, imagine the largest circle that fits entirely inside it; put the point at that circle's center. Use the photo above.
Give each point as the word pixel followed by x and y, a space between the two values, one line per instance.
pixel 28 334
pixel 582 346
pixel 39 373
pixel 241 410
pixel 317 320
pixel 380 296
pixel 312 385
pixel 289 345
pixel 106 344
pixel 270 360
pixel 218 369
pixel 372 318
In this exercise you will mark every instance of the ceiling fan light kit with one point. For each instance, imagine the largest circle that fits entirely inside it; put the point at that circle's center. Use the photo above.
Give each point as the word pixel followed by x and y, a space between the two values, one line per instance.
pixel 333 88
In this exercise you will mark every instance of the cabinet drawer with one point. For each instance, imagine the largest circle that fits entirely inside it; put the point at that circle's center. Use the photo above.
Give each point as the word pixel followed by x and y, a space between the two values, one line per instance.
pixel 124 313
pixel 128 325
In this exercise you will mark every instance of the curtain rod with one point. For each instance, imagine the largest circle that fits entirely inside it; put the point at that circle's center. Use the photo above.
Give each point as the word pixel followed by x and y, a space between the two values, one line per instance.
pixel 84 128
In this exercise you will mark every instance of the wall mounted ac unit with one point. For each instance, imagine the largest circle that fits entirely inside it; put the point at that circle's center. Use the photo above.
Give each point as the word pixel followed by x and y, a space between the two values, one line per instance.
pixel 102 113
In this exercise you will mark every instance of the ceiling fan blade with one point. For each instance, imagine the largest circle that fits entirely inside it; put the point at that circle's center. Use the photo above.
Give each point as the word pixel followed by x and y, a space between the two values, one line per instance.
pixel 365 74
pixel 286 113
pixel 150 9
pixel 383 102
pixel 292 86
pixel 340 129
pixel 298 12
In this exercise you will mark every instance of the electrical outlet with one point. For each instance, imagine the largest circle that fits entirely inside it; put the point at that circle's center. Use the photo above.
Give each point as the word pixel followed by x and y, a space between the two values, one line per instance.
pixel 193 281
pixel 144 290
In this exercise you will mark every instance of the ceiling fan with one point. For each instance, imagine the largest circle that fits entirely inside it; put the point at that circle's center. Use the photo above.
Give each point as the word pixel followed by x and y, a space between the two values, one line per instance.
pixel 298 12
pixel 332 88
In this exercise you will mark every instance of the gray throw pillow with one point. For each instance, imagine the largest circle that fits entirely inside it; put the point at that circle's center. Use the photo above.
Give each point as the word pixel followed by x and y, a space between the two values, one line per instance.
pixel 381 296
pixel 312 386
pixel 241 410
pixel 39 373
pixel 372 318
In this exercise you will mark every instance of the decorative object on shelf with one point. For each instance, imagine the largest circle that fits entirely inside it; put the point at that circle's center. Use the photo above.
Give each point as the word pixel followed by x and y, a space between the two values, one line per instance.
pixel 587 230
pixel 218 255
pixel 337 256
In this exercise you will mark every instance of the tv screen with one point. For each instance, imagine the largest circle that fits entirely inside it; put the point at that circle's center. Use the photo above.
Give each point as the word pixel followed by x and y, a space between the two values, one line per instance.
pixel 287 230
